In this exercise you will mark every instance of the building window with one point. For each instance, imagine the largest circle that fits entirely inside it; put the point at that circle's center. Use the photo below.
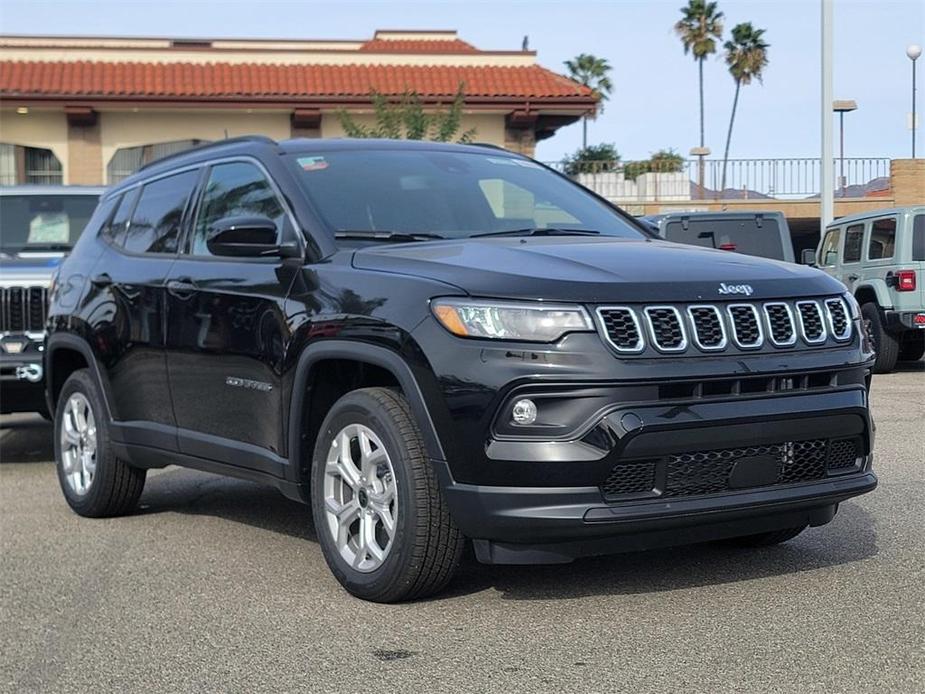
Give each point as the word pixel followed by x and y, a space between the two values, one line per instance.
pixel 128 160
pixel 19 164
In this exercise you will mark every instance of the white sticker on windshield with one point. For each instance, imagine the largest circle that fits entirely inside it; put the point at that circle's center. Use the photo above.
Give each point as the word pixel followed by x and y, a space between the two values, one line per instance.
pixel 313 163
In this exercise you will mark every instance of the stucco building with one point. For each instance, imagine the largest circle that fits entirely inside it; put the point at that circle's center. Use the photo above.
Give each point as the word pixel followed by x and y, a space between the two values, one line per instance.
pixel 90 110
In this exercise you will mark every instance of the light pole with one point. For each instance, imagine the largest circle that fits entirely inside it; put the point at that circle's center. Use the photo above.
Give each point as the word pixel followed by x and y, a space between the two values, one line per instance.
pixel 841 107
pixel 913 51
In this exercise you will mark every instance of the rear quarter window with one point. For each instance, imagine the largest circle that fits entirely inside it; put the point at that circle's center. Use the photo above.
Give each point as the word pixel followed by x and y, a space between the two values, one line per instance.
pixel 918 237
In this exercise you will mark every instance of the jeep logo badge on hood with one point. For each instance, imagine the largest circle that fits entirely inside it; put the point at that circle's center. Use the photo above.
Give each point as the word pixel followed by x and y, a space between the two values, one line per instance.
pixel 745 289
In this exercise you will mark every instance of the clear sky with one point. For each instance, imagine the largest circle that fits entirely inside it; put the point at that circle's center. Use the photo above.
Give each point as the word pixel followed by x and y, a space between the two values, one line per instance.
pixel 654 104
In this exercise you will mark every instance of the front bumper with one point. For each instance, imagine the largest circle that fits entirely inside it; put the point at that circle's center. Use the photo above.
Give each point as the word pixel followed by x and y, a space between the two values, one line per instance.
pixel 564 520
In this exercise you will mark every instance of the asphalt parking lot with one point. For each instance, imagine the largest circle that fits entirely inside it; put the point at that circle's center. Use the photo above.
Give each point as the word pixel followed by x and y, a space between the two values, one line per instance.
pixel 219 585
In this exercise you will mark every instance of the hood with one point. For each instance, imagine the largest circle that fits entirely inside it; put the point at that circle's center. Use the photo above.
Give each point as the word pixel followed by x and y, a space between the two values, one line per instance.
pixel 596 270
pixel 29 269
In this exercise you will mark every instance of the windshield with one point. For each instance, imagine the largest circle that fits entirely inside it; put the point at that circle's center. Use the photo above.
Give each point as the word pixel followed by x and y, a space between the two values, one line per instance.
pixel 406 193
pixel 740 235
pixel 43 222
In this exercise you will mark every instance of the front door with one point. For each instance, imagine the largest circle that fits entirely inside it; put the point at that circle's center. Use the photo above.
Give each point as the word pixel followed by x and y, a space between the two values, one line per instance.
pixel 227 330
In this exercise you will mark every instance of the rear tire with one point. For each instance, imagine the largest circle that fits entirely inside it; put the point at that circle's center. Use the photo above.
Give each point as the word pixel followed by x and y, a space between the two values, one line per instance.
pixel 95 482
pixel 886 344
pixel 774 537
pixel 369 471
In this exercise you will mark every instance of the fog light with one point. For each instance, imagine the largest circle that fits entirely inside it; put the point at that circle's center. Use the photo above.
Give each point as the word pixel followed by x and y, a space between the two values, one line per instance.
pixel 524 412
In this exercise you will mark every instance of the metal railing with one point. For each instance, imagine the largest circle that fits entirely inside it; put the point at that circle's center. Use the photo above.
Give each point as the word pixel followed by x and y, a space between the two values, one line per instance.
pixel 789 179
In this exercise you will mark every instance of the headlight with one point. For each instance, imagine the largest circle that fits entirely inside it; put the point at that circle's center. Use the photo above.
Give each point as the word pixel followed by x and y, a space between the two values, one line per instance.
pixel 504 320
pixel 854 308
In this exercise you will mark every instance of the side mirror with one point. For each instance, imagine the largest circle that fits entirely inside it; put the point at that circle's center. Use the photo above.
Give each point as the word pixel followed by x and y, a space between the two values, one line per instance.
pixel 249 237
pixel 808 256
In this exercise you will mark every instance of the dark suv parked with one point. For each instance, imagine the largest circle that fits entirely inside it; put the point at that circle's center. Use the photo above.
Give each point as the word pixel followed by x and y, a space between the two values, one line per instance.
pixel 433 342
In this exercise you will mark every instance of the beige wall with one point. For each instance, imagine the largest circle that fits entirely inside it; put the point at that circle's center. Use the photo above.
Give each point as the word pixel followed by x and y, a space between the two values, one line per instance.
pixel 38 128
pixel 127 129
pixel 489 127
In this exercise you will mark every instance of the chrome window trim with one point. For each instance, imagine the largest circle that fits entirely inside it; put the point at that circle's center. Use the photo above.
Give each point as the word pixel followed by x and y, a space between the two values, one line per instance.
pixel 735 333
pixel 668 350
pixel 602 328
pixel 793 327
pixel 844 337
pixel 824 334
pixel 696 336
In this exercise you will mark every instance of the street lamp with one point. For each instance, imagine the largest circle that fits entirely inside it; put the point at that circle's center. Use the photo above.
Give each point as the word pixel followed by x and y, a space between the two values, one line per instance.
pixel 841 107
pixel 913 51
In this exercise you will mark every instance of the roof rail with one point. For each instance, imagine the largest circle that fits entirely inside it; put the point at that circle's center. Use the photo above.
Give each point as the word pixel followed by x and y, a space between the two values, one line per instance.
pixel 208 145
pixel 489 145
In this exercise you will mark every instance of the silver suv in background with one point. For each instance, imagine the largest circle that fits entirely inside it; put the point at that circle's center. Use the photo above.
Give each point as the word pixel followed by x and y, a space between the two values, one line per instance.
pixel 38 227
pixel 880 257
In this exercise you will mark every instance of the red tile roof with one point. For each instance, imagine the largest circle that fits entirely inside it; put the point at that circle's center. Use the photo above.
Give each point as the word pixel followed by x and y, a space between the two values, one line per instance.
pixel 219 81
pixel 418 46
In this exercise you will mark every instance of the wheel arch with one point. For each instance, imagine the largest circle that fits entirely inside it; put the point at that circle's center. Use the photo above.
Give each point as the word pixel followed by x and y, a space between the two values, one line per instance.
pixel 873 291
pixel 64 354
pixel 382 358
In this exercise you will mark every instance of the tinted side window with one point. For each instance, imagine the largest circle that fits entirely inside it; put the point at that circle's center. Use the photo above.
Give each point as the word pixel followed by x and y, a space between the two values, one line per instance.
pixel 828 256
pixel 854 239
pixel 882 239
pixel 115 230
pixel 236 189
pixel 99 221
pixel 918 237
pixel 155 226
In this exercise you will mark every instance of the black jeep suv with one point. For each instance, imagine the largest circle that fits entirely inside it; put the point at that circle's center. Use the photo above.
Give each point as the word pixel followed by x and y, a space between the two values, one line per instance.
pixel 432 342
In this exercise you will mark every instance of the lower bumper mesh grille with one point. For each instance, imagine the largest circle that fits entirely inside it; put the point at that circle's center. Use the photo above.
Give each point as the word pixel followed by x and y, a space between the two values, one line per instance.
pixel 709 472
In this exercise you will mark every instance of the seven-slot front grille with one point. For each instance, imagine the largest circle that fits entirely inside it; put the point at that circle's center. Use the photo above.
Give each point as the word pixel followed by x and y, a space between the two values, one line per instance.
pixel 746 326
pixel 723 327
pixel 697 473
pixel 621 328
pixel 709 333
pixel 837 313
pixel 23 309
pixel 780 324
pixel 811 323
pixel 666 328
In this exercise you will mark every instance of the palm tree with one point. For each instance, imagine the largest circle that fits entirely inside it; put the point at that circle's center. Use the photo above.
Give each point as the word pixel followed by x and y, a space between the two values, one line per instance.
pixel 746 56
pixel 592 73
pixel 701 25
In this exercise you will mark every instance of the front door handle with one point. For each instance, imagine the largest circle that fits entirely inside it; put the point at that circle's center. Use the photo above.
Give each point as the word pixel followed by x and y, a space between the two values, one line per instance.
pixel 101 280
pixel 854 278
pixel 182 288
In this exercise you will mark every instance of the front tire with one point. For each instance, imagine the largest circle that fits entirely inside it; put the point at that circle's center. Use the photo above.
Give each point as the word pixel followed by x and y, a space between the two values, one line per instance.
pixel 95 482
pixel 885 344
pixel 380 517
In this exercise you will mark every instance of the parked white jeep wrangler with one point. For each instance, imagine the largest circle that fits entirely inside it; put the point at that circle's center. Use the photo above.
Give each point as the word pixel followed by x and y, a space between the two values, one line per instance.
pixel 880 257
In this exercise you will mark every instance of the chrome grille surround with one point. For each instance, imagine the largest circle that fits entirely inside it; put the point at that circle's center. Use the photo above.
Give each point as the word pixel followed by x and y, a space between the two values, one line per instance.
pixel 655 331
pixel 692 313
pixel 606 326
pixel 805 328
pixel 718 327
pixel 773 318
pixel 731 309
pixel 837 314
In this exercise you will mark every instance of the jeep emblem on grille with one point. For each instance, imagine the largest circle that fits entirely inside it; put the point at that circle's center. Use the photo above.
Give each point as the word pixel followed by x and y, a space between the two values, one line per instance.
pixel 745 289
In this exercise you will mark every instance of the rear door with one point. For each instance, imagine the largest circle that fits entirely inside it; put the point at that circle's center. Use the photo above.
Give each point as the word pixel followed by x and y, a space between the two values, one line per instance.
pixel 130 303
pixel 228 329
pixel 880 251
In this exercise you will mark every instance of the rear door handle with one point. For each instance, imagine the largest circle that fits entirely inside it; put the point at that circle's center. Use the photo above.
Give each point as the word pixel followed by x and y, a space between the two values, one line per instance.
pixel 182 288
pixel 101 280
pixel 854 277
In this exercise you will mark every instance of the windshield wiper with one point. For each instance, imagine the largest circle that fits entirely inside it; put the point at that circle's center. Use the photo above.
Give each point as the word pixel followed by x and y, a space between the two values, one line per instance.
pixel 388 236
pixel 540 231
